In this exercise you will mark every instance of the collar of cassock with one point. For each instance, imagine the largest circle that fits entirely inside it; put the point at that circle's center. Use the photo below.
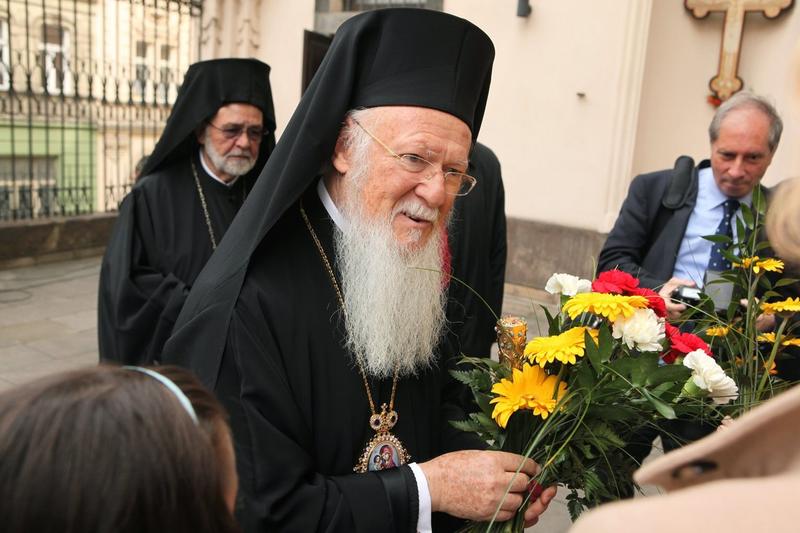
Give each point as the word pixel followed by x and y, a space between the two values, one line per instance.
pixel 330 207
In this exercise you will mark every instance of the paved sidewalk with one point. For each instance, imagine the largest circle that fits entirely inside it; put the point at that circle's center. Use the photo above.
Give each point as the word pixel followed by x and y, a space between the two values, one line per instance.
pixel 47 319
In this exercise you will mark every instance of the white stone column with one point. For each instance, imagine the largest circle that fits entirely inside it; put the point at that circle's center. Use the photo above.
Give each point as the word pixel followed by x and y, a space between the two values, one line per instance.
pixel 626 114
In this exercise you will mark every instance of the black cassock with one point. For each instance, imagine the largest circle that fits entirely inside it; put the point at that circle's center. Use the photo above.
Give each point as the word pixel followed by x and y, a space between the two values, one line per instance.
pixel 159 244
pixel 477 237
pixel 298 404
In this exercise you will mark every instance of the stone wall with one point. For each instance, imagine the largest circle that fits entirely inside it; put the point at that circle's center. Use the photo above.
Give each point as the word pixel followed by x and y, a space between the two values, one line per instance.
pixel 28 242
pixel 536 250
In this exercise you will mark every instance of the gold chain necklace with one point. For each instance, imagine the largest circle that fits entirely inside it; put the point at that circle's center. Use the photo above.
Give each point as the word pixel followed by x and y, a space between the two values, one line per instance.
pixel 384 450
pixel 205 206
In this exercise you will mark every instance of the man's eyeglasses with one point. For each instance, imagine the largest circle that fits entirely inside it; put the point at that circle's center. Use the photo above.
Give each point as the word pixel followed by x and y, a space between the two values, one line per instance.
pixel 234 131
pixel 455 183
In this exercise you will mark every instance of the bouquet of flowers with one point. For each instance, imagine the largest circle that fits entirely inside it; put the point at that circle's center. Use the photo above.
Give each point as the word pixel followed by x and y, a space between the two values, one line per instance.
pixel 577 400
pixel 758 327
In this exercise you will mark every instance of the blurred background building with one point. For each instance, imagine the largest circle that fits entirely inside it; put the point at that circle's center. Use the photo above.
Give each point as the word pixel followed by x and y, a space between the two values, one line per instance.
pixel 585 95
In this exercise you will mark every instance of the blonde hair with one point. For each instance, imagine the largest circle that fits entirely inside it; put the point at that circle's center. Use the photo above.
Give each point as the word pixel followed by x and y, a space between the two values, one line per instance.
pixel 783 221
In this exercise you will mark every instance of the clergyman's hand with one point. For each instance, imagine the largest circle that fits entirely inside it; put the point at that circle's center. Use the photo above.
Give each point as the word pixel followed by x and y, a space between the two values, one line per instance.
pixel 674 309
pixel 472 484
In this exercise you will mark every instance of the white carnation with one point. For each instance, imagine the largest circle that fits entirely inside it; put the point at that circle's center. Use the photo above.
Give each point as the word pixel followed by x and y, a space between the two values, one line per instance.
pixel 643 330
pixel 567 284
pixel 709 376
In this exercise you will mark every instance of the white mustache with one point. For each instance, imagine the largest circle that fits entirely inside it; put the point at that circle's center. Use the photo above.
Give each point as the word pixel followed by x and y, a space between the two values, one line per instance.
pixel 238 153
pixel 417 210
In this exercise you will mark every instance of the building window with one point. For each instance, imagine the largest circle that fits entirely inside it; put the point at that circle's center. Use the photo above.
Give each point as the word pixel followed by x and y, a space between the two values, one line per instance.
pixel 27 186
pixel 164 73
pixel 142 71
pixel 364 5
pixel 55 50
pixel 5 56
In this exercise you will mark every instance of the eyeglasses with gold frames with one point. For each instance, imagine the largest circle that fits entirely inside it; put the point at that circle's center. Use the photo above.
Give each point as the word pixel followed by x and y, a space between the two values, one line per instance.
pixel 455 183
pixel 234 131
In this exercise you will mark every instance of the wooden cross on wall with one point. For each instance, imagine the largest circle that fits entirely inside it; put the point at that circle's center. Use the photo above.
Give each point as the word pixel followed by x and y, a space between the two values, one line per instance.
pixel 726 82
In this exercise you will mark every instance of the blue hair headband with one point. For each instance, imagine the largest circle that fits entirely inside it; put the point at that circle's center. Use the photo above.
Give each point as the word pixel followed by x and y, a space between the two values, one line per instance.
pixel 169 384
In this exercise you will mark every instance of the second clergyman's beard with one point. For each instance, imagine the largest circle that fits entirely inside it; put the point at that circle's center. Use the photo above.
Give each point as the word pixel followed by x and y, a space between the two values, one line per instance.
pixel 224 163
pixel 394 298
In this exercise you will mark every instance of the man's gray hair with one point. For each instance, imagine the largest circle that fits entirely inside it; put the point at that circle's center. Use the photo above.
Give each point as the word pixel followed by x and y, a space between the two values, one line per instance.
pixel 355 139
pixel 742 100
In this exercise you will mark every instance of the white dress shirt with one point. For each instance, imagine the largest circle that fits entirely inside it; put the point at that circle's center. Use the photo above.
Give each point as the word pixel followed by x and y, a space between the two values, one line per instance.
pixel 695 251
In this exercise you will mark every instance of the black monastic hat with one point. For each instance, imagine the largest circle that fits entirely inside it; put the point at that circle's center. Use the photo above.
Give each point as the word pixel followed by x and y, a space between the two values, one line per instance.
pixel 387 57
pixel 207 86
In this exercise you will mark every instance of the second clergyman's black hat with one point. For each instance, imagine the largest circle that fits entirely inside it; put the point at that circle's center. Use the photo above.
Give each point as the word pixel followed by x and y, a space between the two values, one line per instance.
pixel 387 57
pixel 207 86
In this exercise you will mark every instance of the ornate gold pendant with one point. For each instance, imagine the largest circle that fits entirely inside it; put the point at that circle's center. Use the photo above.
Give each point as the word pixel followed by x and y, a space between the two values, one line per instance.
pixel 384 450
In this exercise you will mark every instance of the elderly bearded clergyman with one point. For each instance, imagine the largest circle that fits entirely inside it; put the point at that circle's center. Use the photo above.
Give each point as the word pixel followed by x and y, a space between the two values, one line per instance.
pixel 319 323
pixel 215 143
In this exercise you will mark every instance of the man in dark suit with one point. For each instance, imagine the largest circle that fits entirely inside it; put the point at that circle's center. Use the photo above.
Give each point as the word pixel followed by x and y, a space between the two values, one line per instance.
pixel 660 240
pixel 658 236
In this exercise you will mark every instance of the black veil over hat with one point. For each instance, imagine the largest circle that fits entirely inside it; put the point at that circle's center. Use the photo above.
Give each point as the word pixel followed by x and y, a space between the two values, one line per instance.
pixel 207 86
pixel 387 57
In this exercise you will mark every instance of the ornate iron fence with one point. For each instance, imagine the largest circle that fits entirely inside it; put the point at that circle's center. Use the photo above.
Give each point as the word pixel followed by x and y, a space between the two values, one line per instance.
pixel 85 89
pixel 363 5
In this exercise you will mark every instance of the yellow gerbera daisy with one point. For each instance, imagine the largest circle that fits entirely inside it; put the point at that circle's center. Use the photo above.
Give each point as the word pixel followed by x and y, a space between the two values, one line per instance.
pixel 717 331
pixel 566 347
pixel 766 337
pixel 746 262
pixel 611 306
pixel 758 264
pixel 770 265
pixel 789 305
pixel 770 338
pixel 530 388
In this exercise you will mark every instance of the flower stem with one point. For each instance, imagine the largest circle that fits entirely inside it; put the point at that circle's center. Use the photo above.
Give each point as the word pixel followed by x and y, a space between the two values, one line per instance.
pixel 559 378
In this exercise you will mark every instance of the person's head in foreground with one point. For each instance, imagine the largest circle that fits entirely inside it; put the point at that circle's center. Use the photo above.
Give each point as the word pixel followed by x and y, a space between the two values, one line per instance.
pixel 783 221
pixel 115 449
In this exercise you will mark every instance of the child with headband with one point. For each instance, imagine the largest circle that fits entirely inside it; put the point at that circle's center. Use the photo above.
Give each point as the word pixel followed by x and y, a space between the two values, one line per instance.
pixel 115 449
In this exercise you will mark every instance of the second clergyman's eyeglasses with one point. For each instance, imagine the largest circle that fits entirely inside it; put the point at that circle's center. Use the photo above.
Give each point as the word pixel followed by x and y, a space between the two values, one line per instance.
pixel 455 183
pixel 234 131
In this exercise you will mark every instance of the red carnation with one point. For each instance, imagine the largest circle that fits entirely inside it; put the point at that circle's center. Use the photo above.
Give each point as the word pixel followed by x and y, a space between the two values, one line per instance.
pixel 654 301
pixel 616 282
pixel 670 330
pixel 683 343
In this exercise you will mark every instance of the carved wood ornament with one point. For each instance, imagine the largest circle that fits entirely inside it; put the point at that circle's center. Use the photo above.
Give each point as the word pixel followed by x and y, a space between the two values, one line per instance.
pixel 726 82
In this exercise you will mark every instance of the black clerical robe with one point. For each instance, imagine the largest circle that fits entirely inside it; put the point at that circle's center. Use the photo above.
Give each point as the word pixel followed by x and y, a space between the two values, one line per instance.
pixel 477 237
pixel 298 404
pixel 159 244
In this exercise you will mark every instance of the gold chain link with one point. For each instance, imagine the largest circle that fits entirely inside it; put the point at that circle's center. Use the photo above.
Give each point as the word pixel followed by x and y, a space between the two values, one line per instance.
pixel 204 206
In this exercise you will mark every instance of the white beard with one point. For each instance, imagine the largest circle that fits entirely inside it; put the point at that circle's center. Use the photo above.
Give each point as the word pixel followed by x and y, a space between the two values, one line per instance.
pixel 232 167
pixel 394 298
